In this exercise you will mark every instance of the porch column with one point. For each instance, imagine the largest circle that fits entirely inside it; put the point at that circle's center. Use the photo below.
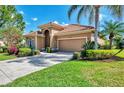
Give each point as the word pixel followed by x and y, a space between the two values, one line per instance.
pixel 51 40
pixel 36 40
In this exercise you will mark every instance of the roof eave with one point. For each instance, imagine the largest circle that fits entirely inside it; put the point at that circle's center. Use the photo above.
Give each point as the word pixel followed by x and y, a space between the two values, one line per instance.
pixel 74 32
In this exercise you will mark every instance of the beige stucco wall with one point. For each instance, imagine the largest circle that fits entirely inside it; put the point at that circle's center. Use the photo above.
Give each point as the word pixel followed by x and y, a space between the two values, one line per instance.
pixel 88 35
pixel 100 41
pixel 53 39
pixel 40 42
pixel 70 44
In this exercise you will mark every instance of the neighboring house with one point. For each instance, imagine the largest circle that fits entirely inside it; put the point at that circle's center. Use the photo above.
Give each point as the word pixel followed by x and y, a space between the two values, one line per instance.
pixel 66 38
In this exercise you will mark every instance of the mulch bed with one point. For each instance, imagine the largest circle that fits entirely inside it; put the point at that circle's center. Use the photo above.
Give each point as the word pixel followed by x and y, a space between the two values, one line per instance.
pixel 112 59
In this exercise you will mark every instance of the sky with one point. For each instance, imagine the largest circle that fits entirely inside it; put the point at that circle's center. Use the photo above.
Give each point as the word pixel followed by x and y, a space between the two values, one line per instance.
pixel 35 15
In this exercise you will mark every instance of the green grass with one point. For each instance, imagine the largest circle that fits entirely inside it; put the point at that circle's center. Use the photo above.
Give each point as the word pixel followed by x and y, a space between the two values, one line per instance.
pixel 75 74
pixel 5 56
pixel 121 54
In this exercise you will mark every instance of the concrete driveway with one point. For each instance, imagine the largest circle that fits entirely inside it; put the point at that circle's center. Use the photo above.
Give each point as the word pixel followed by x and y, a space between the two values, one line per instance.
pixel 12 69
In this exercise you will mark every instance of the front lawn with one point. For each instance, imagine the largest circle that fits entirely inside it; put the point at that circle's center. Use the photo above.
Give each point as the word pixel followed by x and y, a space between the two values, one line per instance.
pixel 75 74
pixel 121 54
pixel 5 56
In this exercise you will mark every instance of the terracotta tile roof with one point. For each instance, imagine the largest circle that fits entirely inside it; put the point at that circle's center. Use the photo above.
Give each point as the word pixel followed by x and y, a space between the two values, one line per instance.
pixel 76 27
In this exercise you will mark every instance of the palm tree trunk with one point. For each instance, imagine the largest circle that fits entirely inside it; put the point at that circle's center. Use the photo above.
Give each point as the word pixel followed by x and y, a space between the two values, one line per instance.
pixel 110 46
pixel 96 26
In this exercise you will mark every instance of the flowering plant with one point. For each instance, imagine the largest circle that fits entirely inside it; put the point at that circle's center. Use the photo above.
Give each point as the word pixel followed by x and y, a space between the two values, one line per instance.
pixel 13 50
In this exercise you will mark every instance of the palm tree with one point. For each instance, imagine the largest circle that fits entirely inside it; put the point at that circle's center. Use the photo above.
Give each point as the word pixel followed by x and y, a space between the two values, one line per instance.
pixel 112 30
pixel 92 12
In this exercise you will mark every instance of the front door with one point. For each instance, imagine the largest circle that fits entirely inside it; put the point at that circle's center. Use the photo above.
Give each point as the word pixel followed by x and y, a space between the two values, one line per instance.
pixel 47 39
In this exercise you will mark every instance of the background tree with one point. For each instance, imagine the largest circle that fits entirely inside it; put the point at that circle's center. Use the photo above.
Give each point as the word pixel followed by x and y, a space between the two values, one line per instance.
pixel 10 17
pixel 112 30
pixel 92 13
pixel 11 24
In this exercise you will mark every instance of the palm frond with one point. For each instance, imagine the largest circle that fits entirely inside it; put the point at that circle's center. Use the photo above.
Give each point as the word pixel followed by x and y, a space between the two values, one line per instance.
pixel 85 10
pixel 91 16
pixel 116 28
pixel 116 10
pixel 72 9
pixel 80 13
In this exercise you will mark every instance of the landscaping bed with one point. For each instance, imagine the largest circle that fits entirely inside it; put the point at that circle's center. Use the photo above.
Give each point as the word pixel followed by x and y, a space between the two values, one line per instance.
pixel 15 53
pixel 98 54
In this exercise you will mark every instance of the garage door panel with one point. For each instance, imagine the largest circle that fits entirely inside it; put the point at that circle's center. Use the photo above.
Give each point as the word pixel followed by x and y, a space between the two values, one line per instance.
pixel 71 44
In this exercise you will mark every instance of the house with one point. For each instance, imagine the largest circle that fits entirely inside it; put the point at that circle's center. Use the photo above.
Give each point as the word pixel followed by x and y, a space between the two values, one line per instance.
pixel 66 38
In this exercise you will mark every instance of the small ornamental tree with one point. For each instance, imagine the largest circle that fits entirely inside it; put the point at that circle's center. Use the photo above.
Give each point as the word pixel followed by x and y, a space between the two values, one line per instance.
pixel 12 36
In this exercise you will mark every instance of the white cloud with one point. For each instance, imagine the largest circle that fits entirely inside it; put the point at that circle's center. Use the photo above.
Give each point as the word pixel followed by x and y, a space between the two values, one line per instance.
pixel 34 19
pixel 56 22
pixel 21 12
pixel 101 17
pixel 64 24
pixel 27 23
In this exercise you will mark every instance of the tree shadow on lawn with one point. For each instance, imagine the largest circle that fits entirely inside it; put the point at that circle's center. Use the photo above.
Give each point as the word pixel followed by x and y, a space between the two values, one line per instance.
pixel 117 58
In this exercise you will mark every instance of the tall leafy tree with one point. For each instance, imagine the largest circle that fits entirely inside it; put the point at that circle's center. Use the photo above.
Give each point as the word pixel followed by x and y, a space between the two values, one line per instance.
pixel 10 17
pixel 113 30
pixel 92 12
pixel 11 24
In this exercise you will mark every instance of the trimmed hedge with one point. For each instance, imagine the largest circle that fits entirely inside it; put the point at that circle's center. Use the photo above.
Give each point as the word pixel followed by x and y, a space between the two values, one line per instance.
pixel 27 52
pixel 24 52
pixel 97 54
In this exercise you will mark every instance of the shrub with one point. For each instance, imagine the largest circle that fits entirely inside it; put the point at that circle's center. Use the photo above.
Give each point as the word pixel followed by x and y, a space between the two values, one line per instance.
pixel 25 52
pixel 83 53
pixel 36 52
pixel 121 44
pixel 76 55
pixel 3 49
pixel 48 50
pixel 13 50
pixel 99 54
pixel 89 45
pixel 105 46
